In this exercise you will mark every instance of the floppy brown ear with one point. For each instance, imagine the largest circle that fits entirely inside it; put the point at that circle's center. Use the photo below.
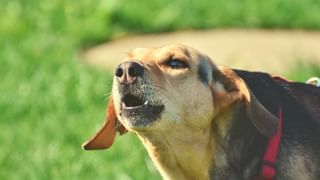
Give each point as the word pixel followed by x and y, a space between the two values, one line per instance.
pixel 228 87
pixel 106 135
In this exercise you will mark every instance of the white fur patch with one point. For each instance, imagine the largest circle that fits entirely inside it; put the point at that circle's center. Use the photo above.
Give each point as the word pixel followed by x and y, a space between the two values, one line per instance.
pixel 219 87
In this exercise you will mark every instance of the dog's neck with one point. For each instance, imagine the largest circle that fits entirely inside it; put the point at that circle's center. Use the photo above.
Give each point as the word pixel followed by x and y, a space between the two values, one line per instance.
pixel 182 152
pixel 239 147
pixel 199 154
pixel 179 153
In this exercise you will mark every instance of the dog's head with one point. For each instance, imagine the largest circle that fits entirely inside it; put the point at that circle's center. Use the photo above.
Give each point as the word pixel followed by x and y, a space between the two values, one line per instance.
pixel 174 87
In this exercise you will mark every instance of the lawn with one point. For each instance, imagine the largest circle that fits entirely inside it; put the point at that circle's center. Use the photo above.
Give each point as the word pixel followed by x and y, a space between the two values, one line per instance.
pixel 50 101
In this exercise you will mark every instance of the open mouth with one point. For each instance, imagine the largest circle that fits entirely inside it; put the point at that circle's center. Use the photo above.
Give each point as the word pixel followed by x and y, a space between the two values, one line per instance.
pixel 134 106
pixel 132 101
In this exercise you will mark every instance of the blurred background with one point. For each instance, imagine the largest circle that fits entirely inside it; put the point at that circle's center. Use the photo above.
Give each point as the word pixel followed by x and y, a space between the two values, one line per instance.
pixel 56 70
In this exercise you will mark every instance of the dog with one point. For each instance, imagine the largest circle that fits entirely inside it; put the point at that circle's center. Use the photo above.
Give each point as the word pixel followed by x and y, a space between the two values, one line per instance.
pixel 199 120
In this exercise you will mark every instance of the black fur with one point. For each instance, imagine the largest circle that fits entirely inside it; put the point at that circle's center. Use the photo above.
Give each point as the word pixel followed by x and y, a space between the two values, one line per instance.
pixel 204 71
pixel 244 146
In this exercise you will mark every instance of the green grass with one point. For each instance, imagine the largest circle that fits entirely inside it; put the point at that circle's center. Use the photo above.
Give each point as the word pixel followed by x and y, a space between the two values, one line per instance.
pixel 302 72
pixel 181 14
pixel 50 102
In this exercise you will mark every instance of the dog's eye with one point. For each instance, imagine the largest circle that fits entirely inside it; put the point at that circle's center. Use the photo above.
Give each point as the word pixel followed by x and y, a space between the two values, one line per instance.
pixel 176 64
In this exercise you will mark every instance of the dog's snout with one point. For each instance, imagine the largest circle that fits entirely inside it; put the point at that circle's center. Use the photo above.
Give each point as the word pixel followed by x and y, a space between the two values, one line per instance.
pixel 128 72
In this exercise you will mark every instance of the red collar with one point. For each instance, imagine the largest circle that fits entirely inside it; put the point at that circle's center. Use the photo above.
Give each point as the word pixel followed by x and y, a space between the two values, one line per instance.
pixel 268 170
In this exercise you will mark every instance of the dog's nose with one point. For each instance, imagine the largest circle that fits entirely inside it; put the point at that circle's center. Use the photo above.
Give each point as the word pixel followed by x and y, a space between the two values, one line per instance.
pixel 128 72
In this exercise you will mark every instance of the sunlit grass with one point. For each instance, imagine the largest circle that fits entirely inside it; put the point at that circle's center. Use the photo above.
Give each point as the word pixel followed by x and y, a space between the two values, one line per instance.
pixel 302 72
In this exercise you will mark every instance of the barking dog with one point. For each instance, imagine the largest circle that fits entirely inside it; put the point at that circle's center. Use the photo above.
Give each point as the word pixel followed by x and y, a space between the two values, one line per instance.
pixel 198 120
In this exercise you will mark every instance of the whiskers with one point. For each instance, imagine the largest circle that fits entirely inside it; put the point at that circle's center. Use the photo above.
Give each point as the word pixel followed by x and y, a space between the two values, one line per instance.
pixel 107 96
pixel 108 83
pixel 157 87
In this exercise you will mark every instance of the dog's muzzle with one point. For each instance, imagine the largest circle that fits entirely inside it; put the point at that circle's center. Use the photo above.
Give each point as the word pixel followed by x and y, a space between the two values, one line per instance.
pixel 134 104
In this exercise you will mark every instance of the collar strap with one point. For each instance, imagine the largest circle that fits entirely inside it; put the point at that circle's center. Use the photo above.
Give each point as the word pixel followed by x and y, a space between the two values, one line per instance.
pixel 268 170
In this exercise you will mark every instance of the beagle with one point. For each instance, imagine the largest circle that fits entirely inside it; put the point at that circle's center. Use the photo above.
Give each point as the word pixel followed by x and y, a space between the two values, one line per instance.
pixel 201 121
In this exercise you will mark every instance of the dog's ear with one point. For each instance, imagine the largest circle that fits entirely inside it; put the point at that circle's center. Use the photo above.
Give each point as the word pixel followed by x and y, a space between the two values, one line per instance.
pixel 106 135
pixel 227 88
pixel 262 119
